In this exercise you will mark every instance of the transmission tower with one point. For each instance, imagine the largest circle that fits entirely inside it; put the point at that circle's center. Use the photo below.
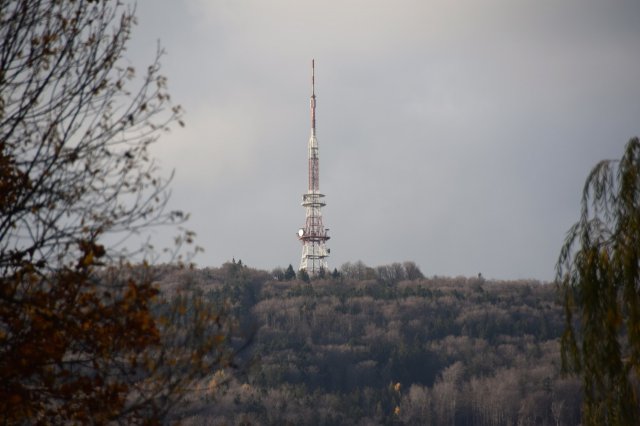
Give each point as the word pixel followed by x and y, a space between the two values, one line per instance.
pixel 313 235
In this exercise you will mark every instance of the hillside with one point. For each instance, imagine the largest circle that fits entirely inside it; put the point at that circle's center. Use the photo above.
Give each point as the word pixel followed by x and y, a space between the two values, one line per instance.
pixel 380 350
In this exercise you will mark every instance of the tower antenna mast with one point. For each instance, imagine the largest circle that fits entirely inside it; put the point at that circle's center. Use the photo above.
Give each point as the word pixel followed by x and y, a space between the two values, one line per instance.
pixel 313 235
pixel 313 97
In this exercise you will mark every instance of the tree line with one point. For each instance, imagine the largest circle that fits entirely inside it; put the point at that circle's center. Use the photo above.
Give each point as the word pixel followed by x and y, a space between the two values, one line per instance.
pixel 461 351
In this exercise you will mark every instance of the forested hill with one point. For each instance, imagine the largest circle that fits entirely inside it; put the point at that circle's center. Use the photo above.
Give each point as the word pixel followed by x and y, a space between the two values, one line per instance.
pixel 375 350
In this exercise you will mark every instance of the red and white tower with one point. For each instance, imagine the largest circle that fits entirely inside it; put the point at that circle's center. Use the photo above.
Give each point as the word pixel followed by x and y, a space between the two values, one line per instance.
pixel 313 235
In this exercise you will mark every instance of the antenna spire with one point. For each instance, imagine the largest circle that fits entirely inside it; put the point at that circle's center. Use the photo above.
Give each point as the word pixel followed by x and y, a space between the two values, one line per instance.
pixel 313 77
pixel 313 97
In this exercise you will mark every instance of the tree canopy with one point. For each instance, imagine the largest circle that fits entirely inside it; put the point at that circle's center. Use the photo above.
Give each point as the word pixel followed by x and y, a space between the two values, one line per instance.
pixel 85 335
pixel 441 351
pixel 599 278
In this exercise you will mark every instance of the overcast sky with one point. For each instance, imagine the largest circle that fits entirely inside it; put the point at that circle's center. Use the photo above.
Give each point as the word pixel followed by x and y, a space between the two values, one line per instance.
pixel 457 134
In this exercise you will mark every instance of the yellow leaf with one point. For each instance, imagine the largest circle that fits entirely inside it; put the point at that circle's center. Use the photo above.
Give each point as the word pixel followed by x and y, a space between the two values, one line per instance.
pixel 88 259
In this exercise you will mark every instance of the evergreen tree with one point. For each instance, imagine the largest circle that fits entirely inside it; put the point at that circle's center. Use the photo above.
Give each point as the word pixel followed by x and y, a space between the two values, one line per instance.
pixel 322 273
pixel 289 274
pixel 304 276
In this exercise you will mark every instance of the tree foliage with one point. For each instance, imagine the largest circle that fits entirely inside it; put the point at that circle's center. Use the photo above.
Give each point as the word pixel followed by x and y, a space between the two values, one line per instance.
pixel 599 278
pixel 289 273
pixel 84 336
pixel 458 351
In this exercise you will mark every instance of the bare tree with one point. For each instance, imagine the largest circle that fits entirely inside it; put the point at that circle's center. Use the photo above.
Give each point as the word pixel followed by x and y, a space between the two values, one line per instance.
pixel 75 137
pixel 412 270
pixel 80 338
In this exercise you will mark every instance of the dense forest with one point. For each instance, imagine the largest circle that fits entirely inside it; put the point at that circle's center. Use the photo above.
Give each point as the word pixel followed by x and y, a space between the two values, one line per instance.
pixel 382 345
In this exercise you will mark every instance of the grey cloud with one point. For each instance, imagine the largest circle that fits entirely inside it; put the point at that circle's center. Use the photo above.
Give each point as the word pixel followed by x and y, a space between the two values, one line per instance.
pixel 455 134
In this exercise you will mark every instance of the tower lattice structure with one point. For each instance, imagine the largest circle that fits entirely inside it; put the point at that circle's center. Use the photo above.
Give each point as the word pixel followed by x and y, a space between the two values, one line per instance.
pixel 313 235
